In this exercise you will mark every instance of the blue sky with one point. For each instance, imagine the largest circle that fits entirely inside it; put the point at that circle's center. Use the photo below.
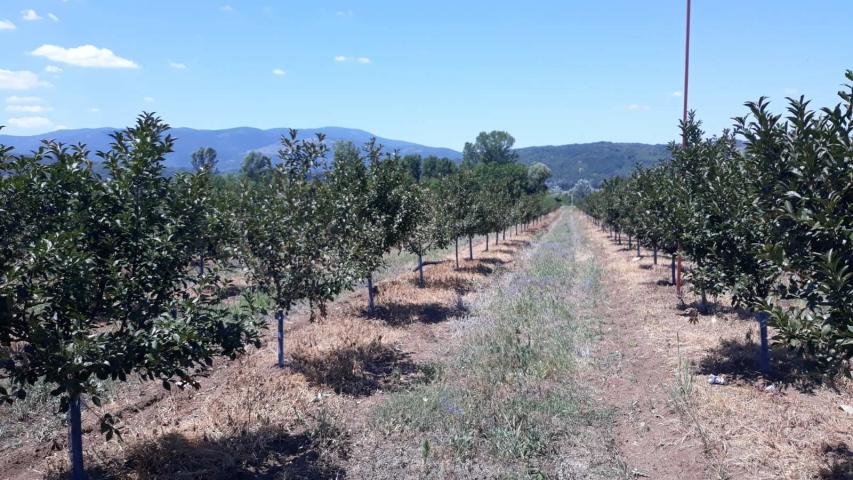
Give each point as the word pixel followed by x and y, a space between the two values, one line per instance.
pixel 438 72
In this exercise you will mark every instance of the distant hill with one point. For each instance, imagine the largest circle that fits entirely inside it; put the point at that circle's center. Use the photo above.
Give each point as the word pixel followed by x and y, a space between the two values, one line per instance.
pixel 231 144
pixel 568 163
pixel 592 161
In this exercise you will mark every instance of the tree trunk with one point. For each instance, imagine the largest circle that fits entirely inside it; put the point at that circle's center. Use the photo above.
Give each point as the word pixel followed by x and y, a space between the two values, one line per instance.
pixel 201 266
pixel 655 254
pixel 457 253
pixel 370 306
pixel 279 317
pixel 630 242
pixel 420 271
pixel 764 352
pixel 678 275
pixel 75 438
pixel 672 267
pixel 703 303
pixel 504 234
pixel 470 248
pixel 638 248
pixel 487 242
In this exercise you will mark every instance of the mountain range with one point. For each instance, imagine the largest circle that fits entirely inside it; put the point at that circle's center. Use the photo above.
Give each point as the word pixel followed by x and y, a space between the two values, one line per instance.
pixel 568 163
pixel 231 144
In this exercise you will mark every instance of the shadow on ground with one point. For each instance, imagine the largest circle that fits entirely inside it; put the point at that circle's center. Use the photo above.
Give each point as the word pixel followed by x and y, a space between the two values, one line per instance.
pixel 267 453
pixel 738 361
pixel 840 460
pixel 478 269
pixel 400 314
pixel 494 261
pixel 456 284
pixel 361 370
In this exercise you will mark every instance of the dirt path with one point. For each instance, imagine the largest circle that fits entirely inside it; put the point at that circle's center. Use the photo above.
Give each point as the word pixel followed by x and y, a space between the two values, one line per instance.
pixel 672 424
pixel 638 378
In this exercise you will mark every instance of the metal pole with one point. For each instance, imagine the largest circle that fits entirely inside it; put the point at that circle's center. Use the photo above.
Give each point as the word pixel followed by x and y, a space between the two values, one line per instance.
pixel 684 120
pixel 75 438
pixel 279 316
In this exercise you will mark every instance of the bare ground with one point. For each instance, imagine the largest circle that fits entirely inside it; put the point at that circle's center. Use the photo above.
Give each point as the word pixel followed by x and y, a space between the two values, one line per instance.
pixel 790 425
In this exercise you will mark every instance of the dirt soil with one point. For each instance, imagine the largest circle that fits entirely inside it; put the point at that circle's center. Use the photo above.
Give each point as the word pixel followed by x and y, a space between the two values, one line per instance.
pixel 789 425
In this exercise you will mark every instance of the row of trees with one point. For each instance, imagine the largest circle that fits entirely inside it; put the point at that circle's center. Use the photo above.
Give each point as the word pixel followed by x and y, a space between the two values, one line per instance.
pixel 107 275
pixel 768 220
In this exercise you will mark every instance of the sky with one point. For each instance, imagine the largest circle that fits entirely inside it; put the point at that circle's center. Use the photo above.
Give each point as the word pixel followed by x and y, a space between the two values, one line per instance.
pixel 436 73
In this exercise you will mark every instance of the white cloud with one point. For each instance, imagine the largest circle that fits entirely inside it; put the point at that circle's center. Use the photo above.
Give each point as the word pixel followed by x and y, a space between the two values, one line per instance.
pixel 94 109
pixel 227 8
pixel 634 107
pixel 30 15
pixel 53 17
pixel 278 72
pixel 52 69
pixel 60 127
pixel 177 66
pixel 677 93
pixel 84 56
pixel 344 13
pixel 148 99
pixel 28 108
pixel 6 25
pixel 29 122
pixel 20 80
pixel 15 100
pixel 344 58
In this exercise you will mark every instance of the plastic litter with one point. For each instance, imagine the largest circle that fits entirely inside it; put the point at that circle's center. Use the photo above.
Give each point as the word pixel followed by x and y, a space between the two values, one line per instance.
pixel 716 379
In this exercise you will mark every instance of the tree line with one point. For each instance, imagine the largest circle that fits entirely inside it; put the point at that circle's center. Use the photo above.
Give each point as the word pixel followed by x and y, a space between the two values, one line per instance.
pixel 114 269
pixel 764 212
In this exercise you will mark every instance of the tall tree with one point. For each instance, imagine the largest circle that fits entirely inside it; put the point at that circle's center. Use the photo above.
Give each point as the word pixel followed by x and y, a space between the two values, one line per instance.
pixel 204 159
pixel 256 165
pixel 414 162
pixel 492 147
pixel 537 174
pixel 434 167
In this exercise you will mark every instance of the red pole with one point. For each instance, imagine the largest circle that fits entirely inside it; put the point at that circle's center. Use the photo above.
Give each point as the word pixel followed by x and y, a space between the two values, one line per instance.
pixel 684 119
pixel 686 67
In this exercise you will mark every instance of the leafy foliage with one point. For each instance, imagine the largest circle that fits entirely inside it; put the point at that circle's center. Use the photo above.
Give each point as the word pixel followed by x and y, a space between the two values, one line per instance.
pixel 204 159
pixel 293 243
pixel 94 281
pixel 490 147
pixel 770 223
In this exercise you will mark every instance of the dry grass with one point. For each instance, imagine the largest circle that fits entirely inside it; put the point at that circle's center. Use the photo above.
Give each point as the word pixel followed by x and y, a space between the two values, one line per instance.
pixel 252 420
pixel 789 425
